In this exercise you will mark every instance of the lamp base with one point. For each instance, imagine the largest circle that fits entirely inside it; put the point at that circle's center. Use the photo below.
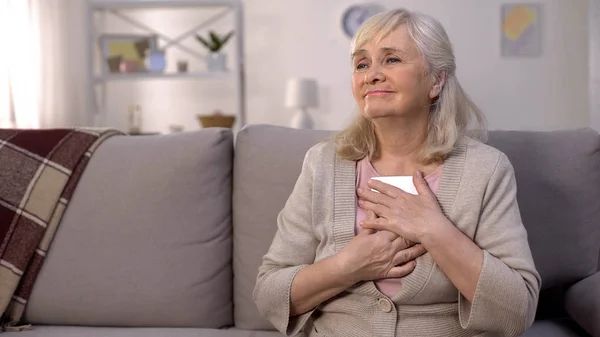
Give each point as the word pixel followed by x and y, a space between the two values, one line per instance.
pixel 302 120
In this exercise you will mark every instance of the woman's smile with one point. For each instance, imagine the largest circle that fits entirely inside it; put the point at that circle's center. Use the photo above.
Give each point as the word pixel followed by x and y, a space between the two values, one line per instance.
pixel 378 93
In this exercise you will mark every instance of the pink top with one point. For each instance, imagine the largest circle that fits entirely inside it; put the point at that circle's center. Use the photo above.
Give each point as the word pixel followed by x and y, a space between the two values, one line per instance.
pixel 364 172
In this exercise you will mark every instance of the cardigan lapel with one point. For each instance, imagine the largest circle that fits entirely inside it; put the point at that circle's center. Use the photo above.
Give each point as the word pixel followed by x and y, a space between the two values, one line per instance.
pixel 449 182
pixel 344 201
pixel 454 166
pixel 344 213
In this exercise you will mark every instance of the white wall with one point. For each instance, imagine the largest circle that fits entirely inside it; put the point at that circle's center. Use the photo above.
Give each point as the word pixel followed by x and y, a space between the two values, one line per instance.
pixel 594 61
pixel 304 38
pixel 544 93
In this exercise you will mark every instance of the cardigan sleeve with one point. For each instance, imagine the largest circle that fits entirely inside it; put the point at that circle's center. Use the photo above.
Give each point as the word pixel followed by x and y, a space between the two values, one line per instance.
pixel 507 292
pixel 293 247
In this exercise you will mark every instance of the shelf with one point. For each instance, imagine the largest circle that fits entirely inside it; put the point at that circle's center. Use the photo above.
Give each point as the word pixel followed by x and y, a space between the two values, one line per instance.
pixel 155 76
pixel 122 4
pixel 98 10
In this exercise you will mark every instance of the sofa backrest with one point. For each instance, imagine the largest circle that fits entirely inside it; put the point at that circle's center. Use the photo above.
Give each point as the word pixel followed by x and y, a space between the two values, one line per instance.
pixel 267 163
pixel 558 179
pixel 558 174
pixel 146 239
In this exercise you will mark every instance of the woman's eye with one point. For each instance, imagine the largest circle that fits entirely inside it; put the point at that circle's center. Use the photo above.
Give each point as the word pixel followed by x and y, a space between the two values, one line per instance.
pixel 361 66
pixel 393 60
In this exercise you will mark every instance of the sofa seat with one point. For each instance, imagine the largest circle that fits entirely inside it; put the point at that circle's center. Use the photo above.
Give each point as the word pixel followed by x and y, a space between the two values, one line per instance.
pixel 76 331
pixel 554 328
pixel 543 328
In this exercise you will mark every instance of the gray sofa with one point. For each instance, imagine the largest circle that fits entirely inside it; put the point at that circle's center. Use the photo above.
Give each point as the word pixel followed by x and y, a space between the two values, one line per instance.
pixel 164 234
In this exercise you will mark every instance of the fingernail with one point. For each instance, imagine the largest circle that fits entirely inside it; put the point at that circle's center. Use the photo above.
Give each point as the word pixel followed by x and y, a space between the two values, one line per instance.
pixel 370 181
pixel 419 174
pixel 360 190
pixel 360 202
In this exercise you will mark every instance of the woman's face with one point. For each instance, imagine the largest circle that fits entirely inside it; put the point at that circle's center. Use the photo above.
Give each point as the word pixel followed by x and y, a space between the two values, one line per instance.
pixel 389 78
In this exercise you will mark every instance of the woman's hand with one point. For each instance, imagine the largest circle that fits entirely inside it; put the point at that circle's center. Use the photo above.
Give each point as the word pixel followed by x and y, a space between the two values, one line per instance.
pixel 405 214
pixel 375 255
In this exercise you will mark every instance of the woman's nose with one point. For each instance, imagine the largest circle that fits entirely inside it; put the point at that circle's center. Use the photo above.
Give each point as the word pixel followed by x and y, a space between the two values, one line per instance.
pixel 374 75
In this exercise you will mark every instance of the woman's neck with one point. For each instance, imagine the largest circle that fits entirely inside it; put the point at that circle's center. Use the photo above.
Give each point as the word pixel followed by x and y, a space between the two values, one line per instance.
pixel 400 143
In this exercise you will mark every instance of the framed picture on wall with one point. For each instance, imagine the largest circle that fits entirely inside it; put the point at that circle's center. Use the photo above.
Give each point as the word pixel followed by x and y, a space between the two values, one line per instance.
pixel 521 31
pixel 125 53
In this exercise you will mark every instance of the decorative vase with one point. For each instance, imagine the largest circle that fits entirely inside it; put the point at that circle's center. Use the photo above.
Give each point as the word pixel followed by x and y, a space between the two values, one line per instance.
pixel 127 66
pixel 182 66
pixel 114 63
pixel 135 120
pixel 216 62
pixel 156 61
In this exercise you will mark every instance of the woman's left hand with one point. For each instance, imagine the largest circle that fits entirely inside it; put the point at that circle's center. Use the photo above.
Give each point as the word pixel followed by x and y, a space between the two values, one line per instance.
pixel 405 214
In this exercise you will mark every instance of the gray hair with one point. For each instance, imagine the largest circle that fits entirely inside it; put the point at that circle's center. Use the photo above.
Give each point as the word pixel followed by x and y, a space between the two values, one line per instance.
pixel 451 113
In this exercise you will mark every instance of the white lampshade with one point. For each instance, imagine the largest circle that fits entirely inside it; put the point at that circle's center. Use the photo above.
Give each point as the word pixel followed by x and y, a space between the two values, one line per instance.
pixel 302 93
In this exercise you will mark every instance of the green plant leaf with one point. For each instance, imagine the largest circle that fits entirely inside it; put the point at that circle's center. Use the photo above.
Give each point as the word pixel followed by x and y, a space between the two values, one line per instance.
pixel 226 38
pixel 214 37
pixel 204 42
pixel 215 42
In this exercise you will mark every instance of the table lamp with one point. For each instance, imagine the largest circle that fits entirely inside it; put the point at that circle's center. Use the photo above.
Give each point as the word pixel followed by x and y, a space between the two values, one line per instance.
pixel 301 94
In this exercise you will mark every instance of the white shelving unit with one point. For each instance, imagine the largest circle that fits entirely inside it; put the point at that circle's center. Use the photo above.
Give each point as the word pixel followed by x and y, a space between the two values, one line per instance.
pixel 99 9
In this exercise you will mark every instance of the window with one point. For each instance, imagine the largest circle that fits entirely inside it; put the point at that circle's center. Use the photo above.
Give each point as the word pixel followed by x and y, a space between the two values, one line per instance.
pixel 19 64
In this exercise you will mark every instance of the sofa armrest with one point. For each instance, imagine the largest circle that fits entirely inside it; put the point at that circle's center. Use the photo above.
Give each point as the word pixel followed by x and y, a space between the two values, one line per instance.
pixel 582 302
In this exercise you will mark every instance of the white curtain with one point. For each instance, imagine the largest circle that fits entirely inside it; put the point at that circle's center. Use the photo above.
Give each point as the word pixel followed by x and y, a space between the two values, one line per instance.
pixel 64 77
pixel 19 64
pixel 43 75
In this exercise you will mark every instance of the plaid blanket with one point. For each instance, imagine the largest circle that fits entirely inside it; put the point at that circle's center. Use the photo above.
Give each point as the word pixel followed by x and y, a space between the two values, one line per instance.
pixel 39 170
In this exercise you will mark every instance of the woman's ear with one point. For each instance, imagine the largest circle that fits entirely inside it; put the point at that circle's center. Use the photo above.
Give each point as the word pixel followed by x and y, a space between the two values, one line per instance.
pixel 439 84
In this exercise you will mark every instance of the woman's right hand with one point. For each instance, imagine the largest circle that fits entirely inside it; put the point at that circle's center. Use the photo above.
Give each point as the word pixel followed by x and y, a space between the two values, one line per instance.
pixel 372 255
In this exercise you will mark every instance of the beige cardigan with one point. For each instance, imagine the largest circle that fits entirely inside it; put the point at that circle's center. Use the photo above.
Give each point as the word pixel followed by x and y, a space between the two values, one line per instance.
pixel 477 192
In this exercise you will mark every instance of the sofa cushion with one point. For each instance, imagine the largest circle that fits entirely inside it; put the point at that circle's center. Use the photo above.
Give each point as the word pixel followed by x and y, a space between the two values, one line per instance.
pixel 146 240
pixel 75 331
pixel 558 175
pixel 268 160
pixel 554 328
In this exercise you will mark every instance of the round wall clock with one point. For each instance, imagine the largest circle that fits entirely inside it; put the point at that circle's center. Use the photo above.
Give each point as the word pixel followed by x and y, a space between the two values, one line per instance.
pixel 356 15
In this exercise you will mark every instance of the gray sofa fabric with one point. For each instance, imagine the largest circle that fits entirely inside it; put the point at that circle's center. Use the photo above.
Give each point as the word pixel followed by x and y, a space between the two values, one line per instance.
pixel 165 234
pixel 71 331
pixel 583 303
pixel 558 175
pixel 555 328
pixel 146 240
pixel 267 163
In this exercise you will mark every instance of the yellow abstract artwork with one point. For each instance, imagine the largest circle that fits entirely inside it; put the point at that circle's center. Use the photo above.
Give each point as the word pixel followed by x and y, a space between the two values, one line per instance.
pixel 517 21
pixel 521 30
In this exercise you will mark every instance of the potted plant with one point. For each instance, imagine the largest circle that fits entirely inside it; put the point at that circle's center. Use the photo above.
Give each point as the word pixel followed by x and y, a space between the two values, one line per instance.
pixel 216 60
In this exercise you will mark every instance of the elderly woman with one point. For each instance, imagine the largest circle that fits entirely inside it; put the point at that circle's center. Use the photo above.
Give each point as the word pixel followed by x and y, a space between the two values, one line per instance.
pixel 354 256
